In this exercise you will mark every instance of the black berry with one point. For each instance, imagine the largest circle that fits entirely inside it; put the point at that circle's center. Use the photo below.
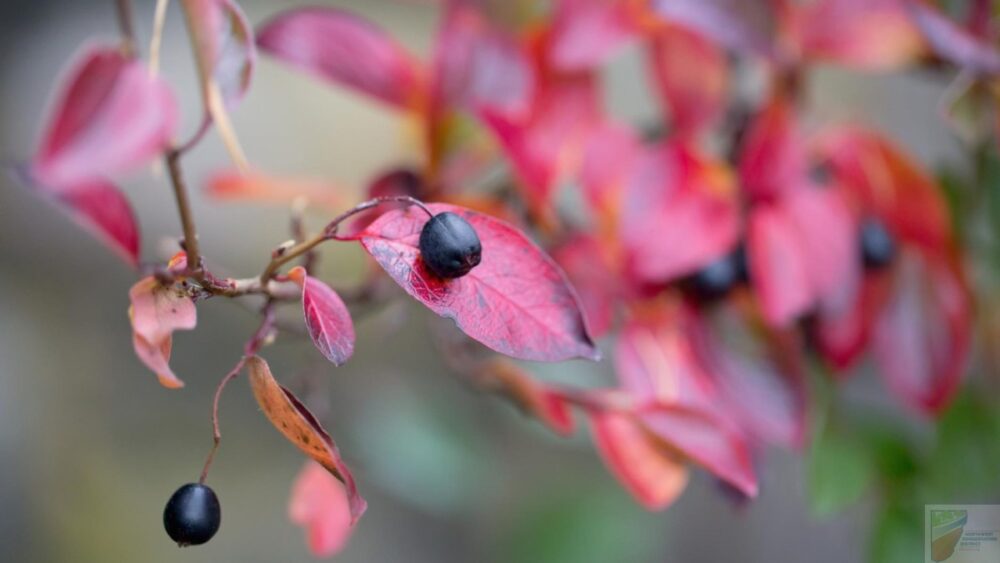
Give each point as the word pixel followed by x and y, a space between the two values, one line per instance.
pixel 450 246
pixel 878 248
pixel 192 515
pixel 718 278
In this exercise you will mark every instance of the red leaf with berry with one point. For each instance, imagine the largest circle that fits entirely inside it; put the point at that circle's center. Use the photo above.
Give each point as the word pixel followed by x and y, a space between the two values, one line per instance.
pixel 516 301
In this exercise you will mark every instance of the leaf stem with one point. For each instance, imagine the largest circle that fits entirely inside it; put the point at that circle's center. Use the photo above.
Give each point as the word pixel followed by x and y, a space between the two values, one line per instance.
pixel 124 11
pixel 172 159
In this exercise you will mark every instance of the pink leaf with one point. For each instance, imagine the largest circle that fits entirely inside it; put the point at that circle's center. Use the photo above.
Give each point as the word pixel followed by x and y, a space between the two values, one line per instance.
pixel 863 34
pixel 778 268
pixel 531 396
pixel 477 65
pixel 706 440
pixel 224 46
pixel 156 312
pixel 589 268
pixel 691 77
pixel 585 33
pixel 344 49
pixel 110 118
pixel 652 471
pixel 680 213
pixel 609 157
pixel 290 417
pixel 758 379
pixel 327 318
pixel 952 43
pixel 740 25
pixel 102 209
pixel 319 504
pixel 922 337
pixel 517 301
pixel 773 155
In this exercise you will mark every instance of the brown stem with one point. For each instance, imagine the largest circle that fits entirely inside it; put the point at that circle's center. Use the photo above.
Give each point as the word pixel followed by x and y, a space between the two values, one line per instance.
pixel 284 256
pixel 255 343
pixel 124 11
pixel 184 209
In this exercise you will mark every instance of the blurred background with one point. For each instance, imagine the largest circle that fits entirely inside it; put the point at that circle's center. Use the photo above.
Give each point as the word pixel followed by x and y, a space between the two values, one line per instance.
pixel 91 446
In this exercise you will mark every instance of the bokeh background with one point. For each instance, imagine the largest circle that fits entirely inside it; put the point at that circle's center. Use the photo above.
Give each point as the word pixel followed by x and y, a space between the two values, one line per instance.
pixel 91 446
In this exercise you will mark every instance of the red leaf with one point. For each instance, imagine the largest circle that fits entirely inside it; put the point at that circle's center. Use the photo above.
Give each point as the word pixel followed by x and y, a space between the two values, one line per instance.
pixel 156 312
pixel 740 25
pixel 922 337
pixel 653 472
pixel 691 77
pixel 863 34
pixel 531 396
pixel 224 46
pixel 843 334
pixel 546 145
pixel 327 318
pixel 295 422
pixel 680 213
pixel 706 440
pixel 585 33
pixel 516 301
pixel 110 118
pixel 778 266
pixel 773 155
pixel 758 379
pixel 102 209
pixel 589 268
pixel 319 504
pixel 608 161
pixel 953 43
pixel 477 65
pixel 344 49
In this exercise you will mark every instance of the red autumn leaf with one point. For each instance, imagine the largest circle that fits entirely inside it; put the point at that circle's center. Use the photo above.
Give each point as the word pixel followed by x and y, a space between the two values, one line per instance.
pixel 773 154
pixel 224 46
pixel 609 157
pixel 111 117
pixel 319 504
pixel 890 184
pixel 654 361
pixel 516 302
pixel 652 471
pixel 156 312
pixel 329 323
pixel 346 50
pixel 953 43
pixel 290 417
pixel 585 260
pixel 691 76
pixel 778 267
pixel 706 440
pixel 546 144
pixel 843 334
pixel 102 209
pixel 740 25
pixel 758 380
pixel 257 186
pixel 585 33
pixel 531 396
pixel 863 34
pixel 477 65
pixel 680 212
pixel 922 337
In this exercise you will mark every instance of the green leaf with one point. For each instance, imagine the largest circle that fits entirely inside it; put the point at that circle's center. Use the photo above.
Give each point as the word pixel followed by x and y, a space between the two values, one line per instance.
pixel 899 535
pixel 840 471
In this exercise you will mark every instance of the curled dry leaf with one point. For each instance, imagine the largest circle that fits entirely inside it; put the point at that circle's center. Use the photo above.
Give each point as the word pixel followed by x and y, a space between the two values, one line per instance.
pixel 156 312
pixel 327 318
pixel 516 301
pixel 319 504
pixel 300 427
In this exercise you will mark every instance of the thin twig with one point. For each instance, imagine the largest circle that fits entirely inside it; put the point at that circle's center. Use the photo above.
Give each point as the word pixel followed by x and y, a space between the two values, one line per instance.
pixel 184 209
pixel 124 11
pixel 159 19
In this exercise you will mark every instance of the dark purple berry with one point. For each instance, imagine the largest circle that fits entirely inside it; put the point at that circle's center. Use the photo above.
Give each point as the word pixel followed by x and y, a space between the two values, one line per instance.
pixel 718 278
pixel 192 515
pixel 450 246
pixel 878 248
